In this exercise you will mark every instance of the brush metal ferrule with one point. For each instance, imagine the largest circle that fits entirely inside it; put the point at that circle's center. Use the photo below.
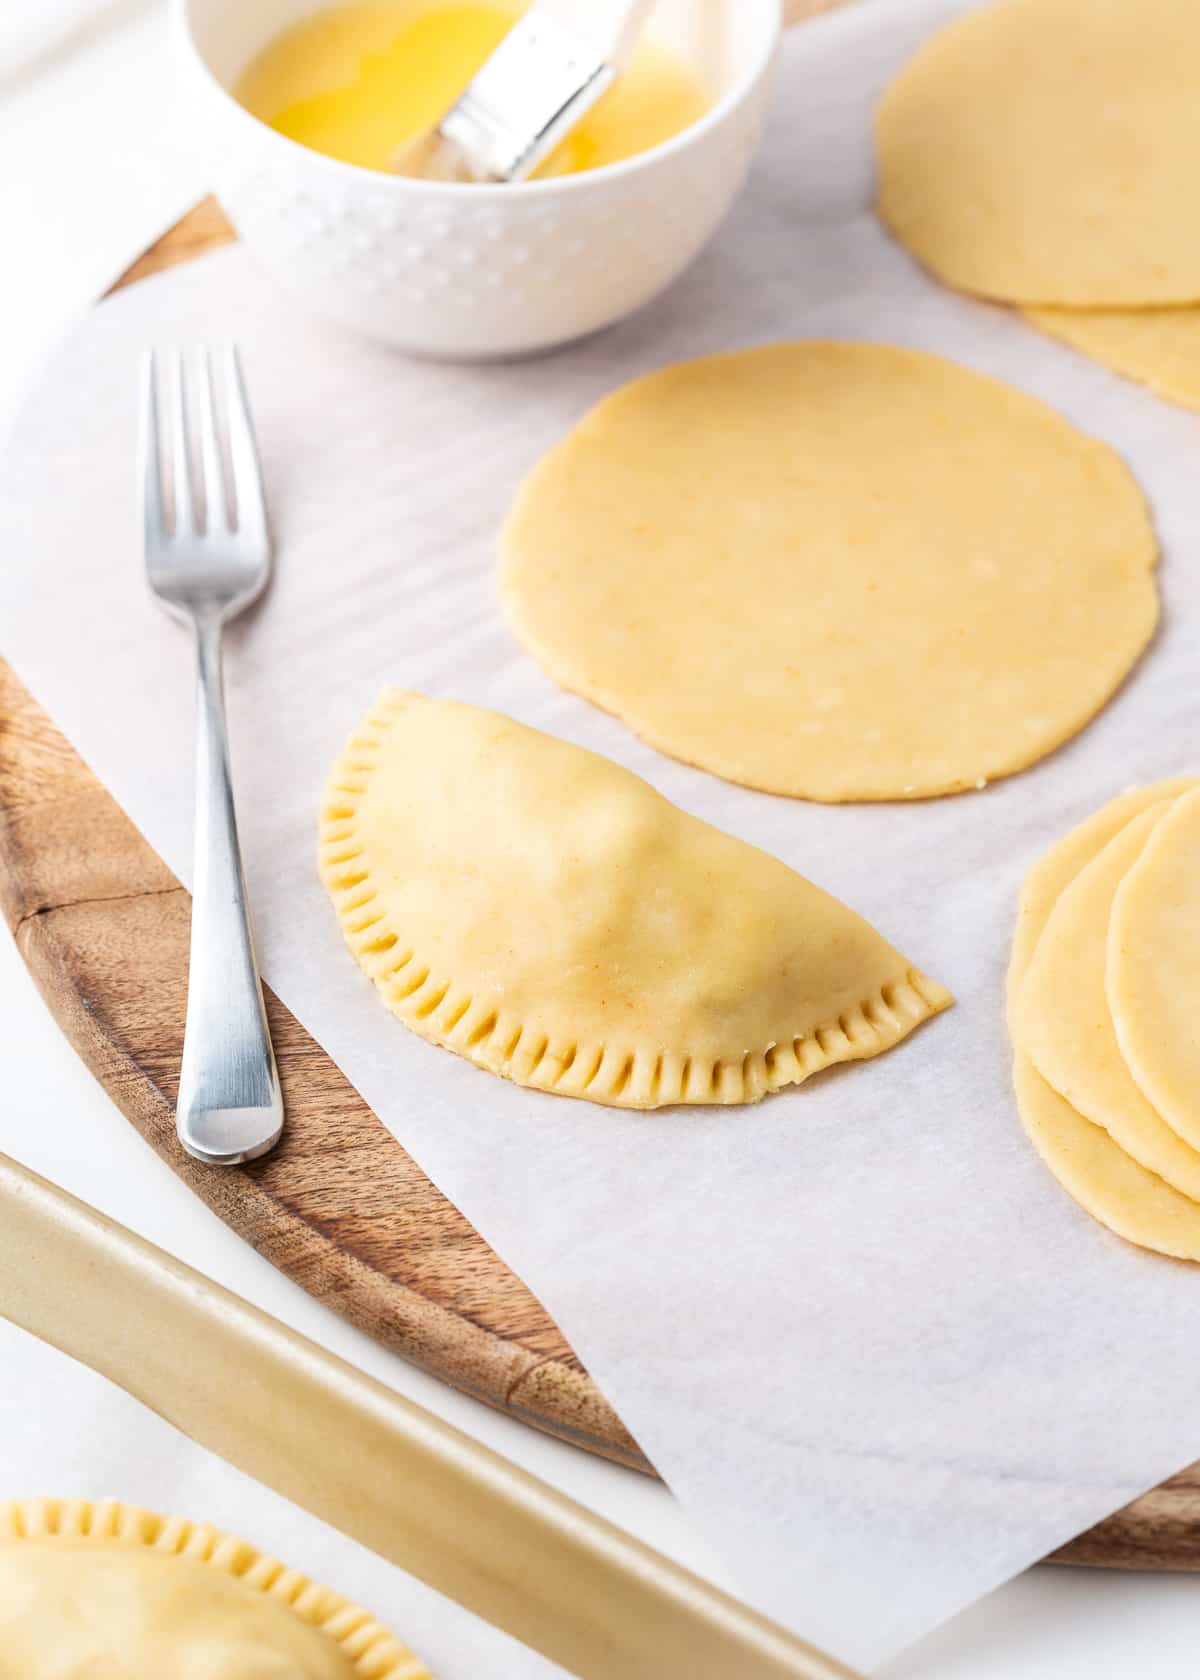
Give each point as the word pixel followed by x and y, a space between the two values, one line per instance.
pixel 531 92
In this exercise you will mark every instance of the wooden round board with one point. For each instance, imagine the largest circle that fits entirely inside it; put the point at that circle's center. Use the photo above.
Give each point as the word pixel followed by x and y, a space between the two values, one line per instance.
pixel 339 1207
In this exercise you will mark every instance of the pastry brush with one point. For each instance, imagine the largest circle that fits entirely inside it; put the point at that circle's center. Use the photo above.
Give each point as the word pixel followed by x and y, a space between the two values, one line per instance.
pixel 547 72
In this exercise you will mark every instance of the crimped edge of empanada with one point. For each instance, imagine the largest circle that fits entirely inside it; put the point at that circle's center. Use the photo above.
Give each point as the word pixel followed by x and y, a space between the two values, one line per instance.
pixel 374 1652
pixel 619 1074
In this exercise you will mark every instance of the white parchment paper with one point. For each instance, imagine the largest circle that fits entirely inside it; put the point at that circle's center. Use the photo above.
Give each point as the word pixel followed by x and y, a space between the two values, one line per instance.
pixel 861 1332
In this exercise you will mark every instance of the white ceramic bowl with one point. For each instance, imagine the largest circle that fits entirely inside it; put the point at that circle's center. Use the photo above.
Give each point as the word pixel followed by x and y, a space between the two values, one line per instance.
pixel 478 271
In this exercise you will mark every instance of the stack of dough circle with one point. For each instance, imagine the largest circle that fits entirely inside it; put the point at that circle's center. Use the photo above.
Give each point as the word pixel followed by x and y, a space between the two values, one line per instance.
pixel 1104 992
pixel 1044 153
pixel 838 571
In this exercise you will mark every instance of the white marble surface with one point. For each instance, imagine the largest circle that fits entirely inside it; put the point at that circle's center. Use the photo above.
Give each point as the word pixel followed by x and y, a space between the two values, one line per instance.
pixel 81 192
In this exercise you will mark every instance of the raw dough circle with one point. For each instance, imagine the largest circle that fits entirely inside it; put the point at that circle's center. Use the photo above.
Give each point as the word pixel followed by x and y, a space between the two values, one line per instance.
pixel 1154 968
pixel 834 570
pixel 1053 873
pixel 1095 1171
pixel 1063 1023
pixel 1046 151
pixel 1159 348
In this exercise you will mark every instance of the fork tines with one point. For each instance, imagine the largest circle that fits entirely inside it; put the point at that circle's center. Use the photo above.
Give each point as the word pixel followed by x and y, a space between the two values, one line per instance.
pixel 219 489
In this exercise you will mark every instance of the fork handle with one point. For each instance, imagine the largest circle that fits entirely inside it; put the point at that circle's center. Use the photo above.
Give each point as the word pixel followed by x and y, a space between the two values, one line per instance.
pixel 230 1107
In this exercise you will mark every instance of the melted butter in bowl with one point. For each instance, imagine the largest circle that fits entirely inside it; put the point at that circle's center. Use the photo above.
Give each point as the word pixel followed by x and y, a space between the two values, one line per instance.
pixel 302 161
pixel 356 81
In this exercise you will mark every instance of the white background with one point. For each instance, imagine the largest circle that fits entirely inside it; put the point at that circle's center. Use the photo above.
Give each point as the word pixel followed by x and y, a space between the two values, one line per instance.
pixel 88 174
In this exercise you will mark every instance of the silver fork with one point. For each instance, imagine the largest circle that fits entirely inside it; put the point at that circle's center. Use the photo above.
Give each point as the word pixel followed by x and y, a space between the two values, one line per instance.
pixel 208 555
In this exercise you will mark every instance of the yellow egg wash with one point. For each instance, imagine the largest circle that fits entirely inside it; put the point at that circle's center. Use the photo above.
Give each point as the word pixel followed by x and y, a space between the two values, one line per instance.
pixel 356 81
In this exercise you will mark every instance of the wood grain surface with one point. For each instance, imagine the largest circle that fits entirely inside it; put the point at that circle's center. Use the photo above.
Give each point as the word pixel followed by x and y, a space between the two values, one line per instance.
pixel 339 1207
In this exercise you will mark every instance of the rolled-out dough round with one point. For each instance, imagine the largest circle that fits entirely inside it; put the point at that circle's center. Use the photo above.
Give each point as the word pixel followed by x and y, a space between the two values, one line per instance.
pixel 1159 348
pixel 838 571
pixel 1107 1183
pixel 1063 1022
pixel 1095 1171
pixel 1154 968
pixel 1054 871
pixel 1047 151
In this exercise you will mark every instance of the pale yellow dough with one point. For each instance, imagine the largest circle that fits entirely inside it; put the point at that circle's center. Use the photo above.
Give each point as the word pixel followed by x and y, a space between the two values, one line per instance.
pixel 1050 876
pixel 1062 1019
pixel 1159 348
pixel 111 1591
pixel 838 571
pixel 1047 151
pixel 548 915
pixel 1154 968
pixel 1095 1171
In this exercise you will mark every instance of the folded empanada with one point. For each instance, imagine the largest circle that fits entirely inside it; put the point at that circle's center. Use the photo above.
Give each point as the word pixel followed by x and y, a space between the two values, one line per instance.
pixel 548 915
pixel 108 1589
